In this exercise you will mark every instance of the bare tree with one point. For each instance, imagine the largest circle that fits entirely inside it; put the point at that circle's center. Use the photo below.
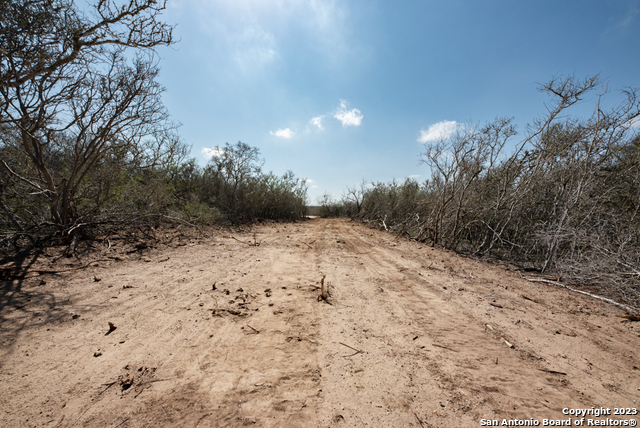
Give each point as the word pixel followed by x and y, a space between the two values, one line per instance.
pixel 457 163
pixel 570 157
pixel 38 37
pixel 68 91
pixel 231 169
pixel 355 195
pixel 566 201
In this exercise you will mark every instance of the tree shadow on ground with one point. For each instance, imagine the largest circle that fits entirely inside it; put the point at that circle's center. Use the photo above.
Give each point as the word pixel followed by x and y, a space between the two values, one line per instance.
pixel 24 302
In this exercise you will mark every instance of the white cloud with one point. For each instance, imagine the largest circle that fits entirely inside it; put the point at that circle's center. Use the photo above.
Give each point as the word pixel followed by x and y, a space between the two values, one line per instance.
pixel 625 22
pixel 635 122
pixel 438 131
pixel 212 152
pixel 254 49
pixel 351 117
pixel 248 35
pixel 317 121
pixel 415 176
pixel 314 187
pixel 284 133
pixel 310 180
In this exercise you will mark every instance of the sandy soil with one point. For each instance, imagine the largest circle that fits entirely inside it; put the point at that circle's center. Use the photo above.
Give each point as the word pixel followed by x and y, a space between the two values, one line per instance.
pixel 215 332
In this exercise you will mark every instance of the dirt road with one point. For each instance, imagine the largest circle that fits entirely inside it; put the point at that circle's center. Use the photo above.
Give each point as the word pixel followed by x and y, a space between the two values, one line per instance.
pixel 217 332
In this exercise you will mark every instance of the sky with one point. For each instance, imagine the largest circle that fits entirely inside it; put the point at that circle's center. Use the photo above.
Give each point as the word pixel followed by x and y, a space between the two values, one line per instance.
pixel 344 91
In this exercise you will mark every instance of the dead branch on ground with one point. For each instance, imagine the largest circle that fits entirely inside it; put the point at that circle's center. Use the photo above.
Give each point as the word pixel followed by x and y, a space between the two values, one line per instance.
pixel 628 309
pixel 351 347
pixel 255 242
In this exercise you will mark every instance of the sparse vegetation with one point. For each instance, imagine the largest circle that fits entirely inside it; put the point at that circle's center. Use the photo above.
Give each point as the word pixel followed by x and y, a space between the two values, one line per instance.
pixel 86 144
pixel 135 318
pixel 565 201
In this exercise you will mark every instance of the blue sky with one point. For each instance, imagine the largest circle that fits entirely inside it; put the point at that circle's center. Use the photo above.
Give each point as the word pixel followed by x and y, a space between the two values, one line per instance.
pixel 341 91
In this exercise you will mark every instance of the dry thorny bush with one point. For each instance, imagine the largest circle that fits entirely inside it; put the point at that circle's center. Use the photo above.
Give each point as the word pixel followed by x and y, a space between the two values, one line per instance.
pixel 566 200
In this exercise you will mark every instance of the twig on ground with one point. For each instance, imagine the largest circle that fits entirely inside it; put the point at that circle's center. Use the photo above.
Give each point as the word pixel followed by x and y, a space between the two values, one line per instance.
pixel 255 244
pixel 552 371
pixel 444 347
pixel 246 243
pixel 121 423
pixel 85 411
pixel 59 423
pixel 307 245
pixel 109 385
pixel 159 380
pixel 628 309
pixel 351 347
pixel 257 332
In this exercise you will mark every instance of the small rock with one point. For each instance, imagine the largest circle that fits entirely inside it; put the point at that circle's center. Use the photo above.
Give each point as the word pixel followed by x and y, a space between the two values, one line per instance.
pixel 97 353
pixel 96 279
